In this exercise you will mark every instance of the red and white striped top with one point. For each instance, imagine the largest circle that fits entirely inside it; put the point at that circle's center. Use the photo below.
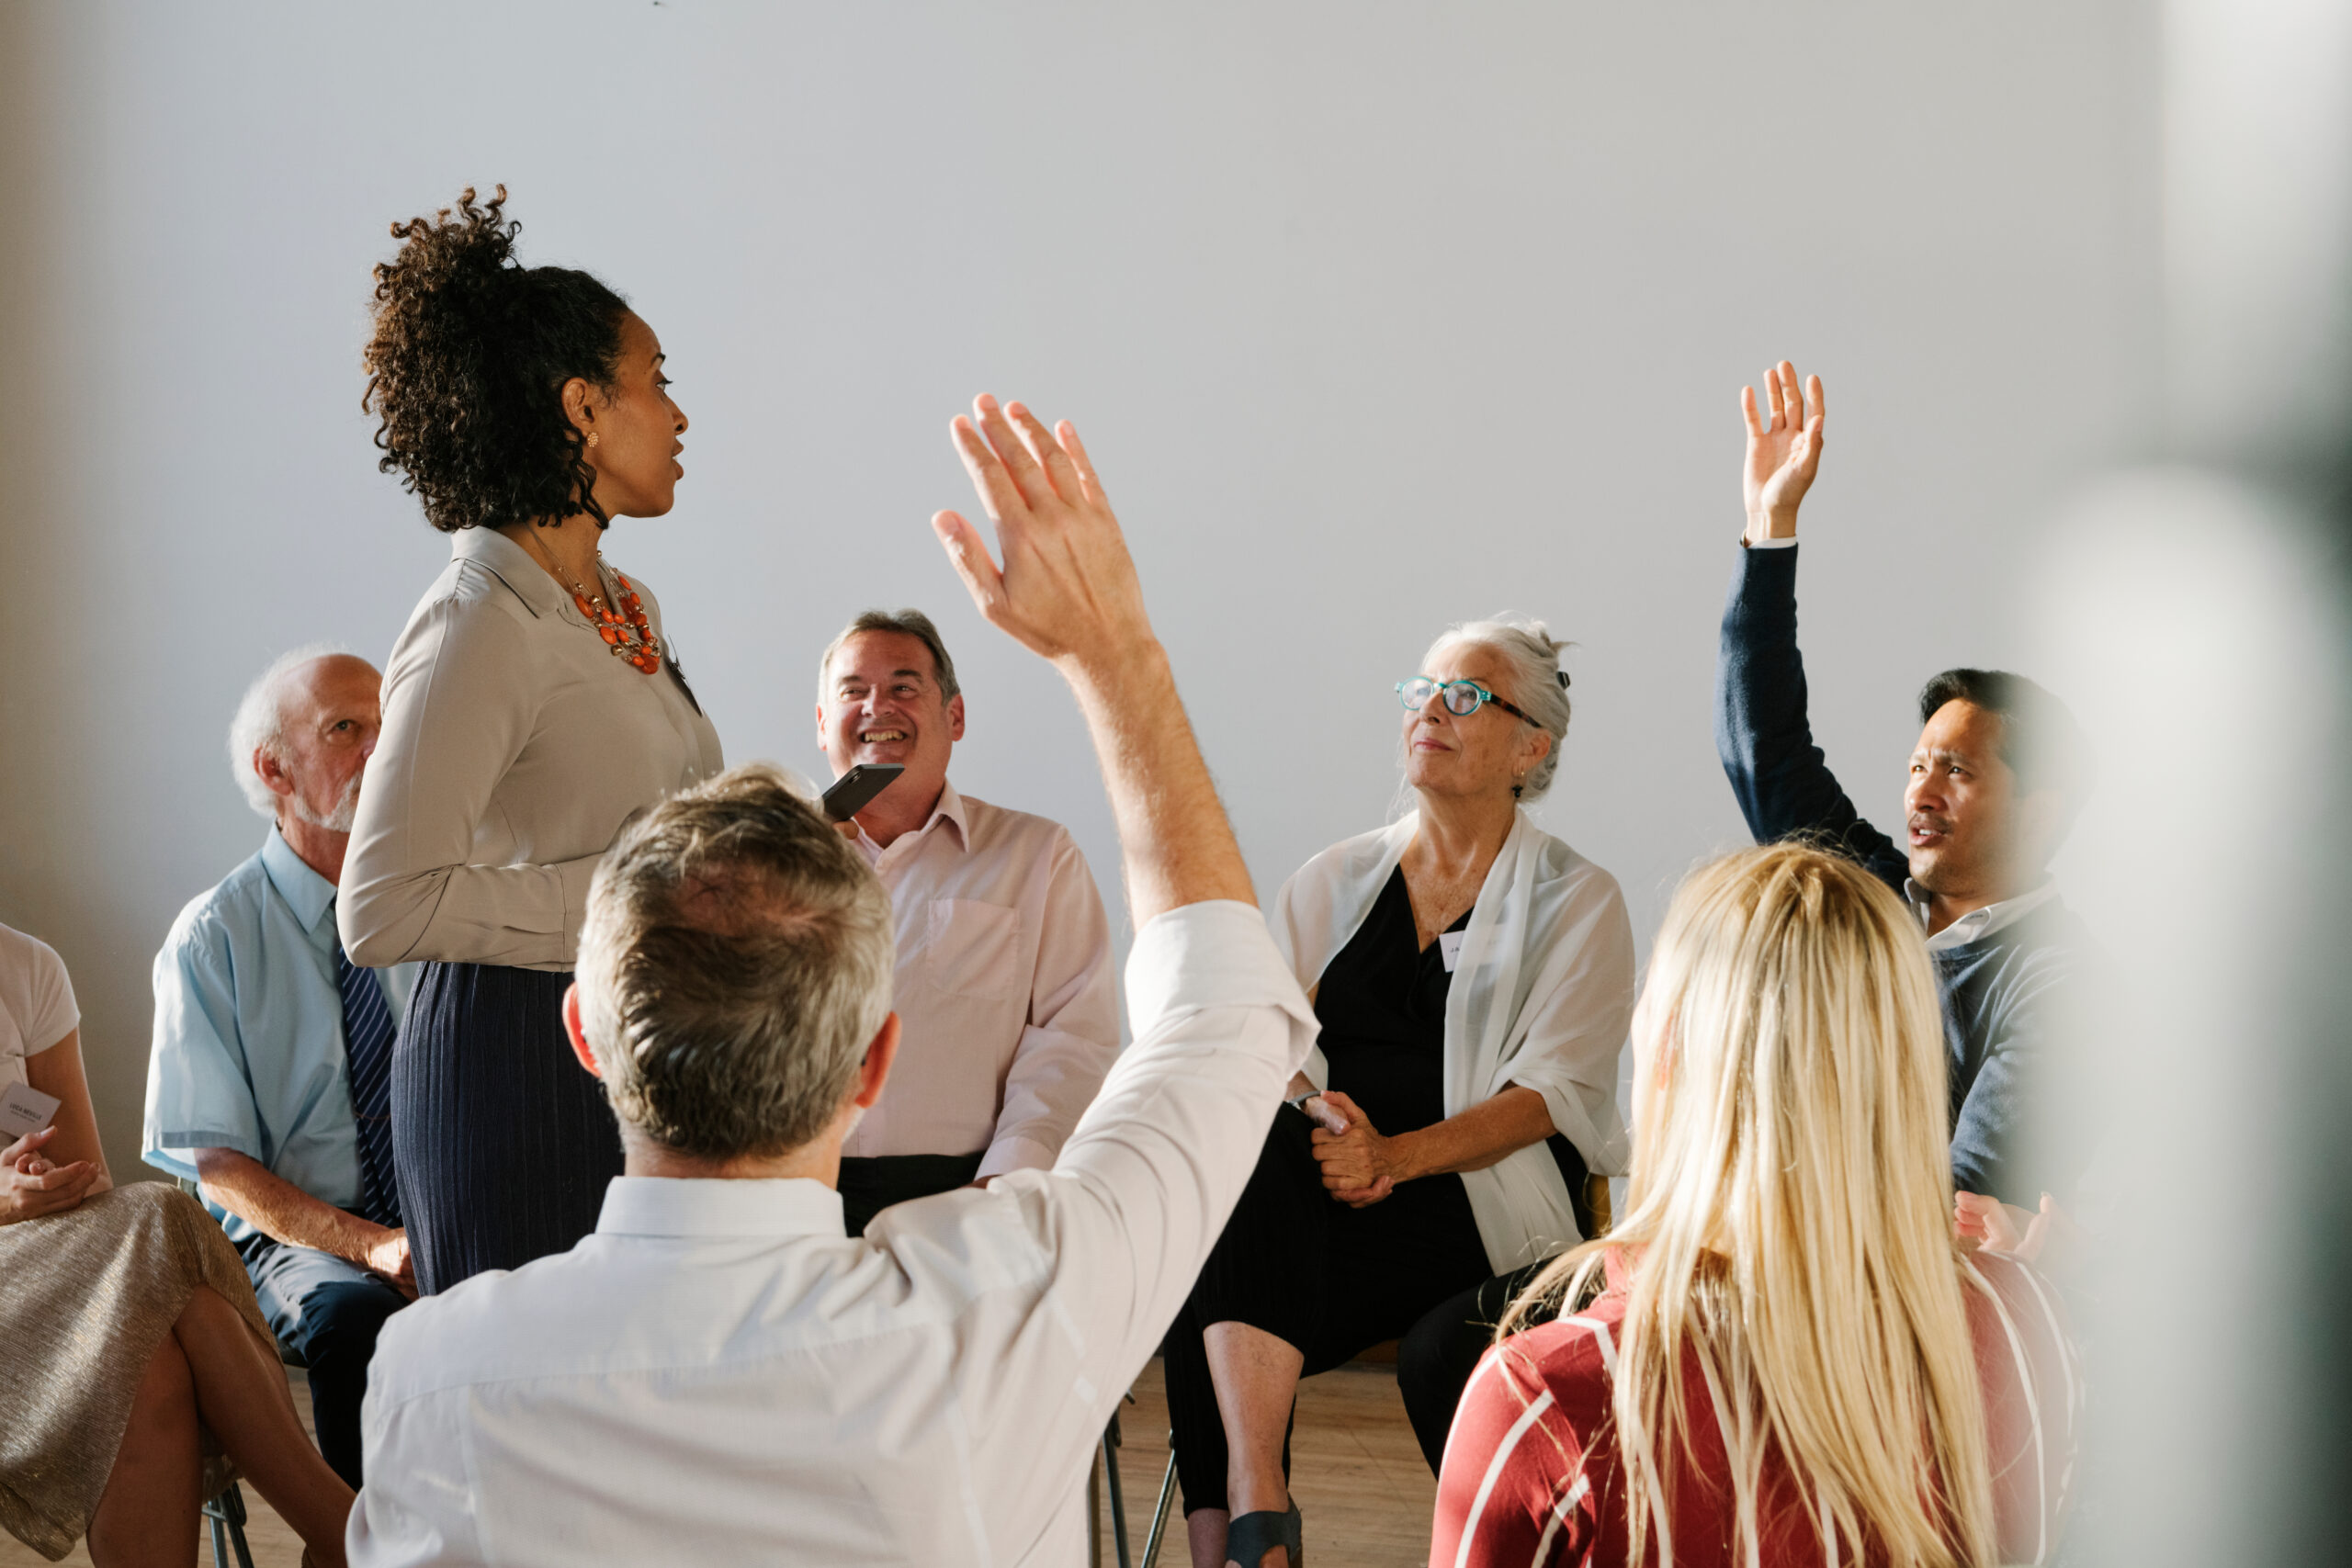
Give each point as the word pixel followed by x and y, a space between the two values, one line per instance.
pixel 1530 1473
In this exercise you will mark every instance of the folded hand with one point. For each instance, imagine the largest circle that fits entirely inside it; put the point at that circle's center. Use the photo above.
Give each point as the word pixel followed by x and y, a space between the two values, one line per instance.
pixel 30 1186
pixel 389 1257
pixel 1359 1167
pixel 1990 1225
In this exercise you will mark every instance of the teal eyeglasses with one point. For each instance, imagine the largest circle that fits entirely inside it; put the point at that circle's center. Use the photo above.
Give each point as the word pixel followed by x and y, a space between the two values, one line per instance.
pixel 1461 698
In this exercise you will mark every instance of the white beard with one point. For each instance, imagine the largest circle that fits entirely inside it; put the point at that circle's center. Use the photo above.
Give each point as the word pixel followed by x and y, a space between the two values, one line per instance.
pixel 346 812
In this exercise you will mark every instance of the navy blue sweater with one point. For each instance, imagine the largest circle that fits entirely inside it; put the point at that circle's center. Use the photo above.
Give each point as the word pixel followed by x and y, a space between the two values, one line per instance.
pixel 2009 1000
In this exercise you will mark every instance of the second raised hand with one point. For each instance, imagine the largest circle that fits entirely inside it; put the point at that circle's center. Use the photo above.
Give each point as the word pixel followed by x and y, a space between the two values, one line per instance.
pixel 1783 451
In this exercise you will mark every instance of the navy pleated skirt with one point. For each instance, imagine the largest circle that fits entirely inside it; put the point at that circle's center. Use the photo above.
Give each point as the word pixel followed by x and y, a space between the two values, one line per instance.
pixel 503 1142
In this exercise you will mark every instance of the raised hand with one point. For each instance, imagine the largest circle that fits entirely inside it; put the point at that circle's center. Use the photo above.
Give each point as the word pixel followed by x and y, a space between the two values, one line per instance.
pixel 1067 589
pixel 1783 451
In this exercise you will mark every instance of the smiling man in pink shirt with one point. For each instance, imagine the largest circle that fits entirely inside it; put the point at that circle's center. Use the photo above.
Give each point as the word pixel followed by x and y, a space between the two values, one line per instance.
pixel 1003 984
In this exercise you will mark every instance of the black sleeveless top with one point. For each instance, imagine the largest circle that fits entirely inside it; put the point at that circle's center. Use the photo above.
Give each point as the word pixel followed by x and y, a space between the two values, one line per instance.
pixel 1382 1006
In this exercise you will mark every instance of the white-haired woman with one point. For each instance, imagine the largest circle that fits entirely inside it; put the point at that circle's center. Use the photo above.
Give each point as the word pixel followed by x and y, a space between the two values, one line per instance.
pixel 1473 975
pixel 1788 1359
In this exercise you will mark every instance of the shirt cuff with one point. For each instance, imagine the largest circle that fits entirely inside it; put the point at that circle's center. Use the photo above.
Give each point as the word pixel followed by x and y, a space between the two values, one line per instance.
pixel 1787 544
pixel 1216 954
pixel 1015 1152
pixel 176 1150
pixel 573 877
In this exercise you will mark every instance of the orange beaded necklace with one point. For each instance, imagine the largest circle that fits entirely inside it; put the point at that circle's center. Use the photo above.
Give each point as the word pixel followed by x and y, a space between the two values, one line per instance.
pixel 623 627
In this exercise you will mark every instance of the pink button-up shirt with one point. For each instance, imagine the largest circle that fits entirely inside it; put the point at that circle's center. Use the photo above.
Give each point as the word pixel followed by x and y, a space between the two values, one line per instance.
pixel 1003 988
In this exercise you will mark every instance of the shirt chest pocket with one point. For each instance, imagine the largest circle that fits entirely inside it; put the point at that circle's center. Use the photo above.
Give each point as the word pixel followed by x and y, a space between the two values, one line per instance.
pixel 971 949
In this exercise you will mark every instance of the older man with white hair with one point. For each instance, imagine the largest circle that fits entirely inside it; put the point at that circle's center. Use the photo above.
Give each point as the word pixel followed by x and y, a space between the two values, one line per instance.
pixel 271 1073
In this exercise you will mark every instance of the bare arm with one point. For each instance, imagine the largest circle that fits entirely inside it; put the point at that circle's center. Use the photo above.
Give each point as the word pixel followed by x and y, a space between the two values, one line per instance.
pixel 53 1170
pixel 58 1071
pixel 1068 591
pixel 1145 1184
pixel 283 1212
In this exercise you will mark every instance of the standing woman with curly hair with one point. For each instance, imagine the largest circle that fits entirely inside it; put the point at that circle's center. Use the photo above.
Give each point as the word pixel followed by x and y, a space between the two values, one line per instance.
pixel 531 707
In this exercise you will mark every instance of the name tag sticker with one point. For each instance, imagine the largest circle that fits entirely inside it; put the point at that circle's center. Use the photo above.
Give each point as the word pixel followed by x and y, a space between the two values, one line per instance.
pixel 24 1110
pixel 1449 948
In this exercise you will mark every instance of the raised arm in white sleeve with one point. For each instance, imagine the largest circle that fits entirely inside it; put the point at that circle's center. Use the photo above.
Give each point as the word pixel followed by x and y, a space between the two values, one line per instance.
pixel 1147 1181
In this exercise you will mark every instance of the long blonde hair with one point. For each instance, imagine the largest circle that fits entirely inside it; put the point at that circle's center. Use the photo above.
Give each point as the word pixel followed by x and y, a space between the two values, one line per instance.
pixel 1789 1218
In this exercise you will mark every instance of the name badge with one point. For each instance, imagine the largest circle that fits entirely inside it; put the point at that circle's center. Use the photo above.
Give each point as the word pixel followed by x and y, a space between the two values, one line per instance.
pixel 1449 948
pixel 24 1110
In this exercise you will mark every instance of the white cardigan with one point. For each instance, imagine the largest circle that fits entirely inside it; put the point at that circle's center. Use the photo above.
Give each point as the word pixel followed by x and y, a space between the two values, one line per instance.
pixel 1542 991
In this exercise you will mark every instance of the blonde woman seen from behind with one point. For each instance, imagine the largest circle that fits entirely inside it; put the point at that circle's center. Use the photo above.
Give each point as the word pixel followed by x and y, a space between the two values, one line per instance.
pixel 1785 1357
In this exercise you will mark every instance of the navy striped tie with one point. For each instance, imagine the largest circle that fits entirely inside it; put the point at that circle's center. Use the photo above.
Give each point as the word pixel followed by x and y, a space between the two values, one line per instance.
pixel 368 1044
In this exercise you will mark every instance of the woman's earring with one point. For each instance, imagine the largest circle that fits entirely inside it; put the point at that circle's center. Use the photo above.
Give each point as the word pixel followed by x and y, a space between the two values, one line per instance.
pixel 592 438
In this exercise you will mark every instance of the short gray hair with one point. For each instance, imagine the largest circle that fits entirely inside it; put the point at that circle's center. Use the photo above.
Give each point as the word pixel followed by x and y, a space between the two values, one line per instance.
pixel 260 723
pixel 1536 682
pixel 734 964
pixel 906 622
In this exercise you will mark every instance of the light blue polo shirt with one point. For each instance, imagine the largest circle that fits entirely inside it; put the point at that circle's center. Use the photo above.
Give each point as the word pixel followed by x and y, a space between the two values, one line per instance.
pixel 249 1050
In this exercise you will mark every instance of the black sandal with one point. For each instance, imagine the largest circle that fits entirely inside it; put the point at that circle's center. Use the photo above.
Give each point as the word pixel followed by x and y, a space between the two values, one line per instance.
pixel 1249 1536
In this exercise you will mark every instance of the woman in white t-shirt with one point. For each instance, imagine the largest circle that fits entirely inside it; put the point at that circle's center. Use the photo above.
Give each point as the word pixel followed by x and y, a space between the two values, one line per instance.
pixel 120 1433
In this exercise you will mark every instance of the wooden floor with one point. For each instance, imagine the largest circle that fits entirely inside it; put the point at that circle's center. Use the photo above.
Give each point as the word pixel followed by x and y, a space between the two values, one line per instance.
pixel 1357 1473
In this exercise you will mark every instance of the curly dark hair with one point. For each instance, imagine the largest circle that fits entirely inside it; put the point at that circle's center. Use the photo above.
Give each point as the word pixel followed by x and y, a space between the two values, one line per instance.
pixel 467 367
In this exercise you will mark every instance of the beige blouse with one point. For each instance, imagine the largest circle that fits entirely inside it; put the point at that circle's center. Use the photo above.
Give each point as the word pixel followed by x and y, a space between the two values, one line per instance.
pixel 515 749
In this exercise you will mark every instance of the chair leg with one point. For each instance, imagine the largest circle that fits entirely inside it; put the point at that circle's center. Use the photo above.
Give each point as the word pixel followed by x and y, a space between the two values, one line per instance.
pixel 1094 1512
pixel 1159 1512
pixel 226 1514
pixel 1110 1445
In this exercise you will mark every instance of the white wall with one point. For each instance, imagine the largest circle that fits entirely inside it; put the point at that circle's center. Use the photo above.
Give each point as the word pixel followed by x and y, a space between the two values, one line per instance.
pixel 1375 317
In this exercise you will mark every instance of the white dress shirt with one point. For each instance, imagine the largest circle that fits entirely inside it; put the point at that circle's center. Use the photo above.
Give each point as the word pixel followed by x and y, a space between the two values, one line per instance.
pixel 515 749
pixel 1977 924
pixel 718 1375
pixel 1542 991
pixel 1007 1015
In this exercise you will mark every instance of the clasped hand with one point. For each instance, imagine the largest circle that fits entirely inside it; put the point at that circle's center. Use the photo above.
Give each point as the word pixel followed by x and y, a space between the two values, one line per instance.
pixel 1987 1225
pixel 388 1258
pixel 30 1186
pixel 1360 1166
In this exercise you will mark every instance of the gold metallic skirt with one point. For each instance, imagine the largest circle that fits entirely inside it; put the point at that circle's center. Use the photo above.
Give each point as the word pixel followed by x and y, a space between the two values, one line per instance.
pixel 85 1297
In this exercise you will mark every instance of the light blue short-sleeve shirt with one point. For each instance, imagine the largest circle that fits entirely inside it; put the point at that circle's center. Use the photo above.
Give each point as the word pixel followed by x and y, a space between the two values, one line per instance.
pixel 249 1050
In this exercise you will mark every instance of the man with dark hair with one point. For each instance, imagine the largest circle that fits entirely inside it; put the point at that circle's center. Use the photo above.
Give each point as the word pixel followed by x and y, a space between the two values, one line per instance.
pixel 719 1374
pixel 1997 776
pixel 1007 1016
